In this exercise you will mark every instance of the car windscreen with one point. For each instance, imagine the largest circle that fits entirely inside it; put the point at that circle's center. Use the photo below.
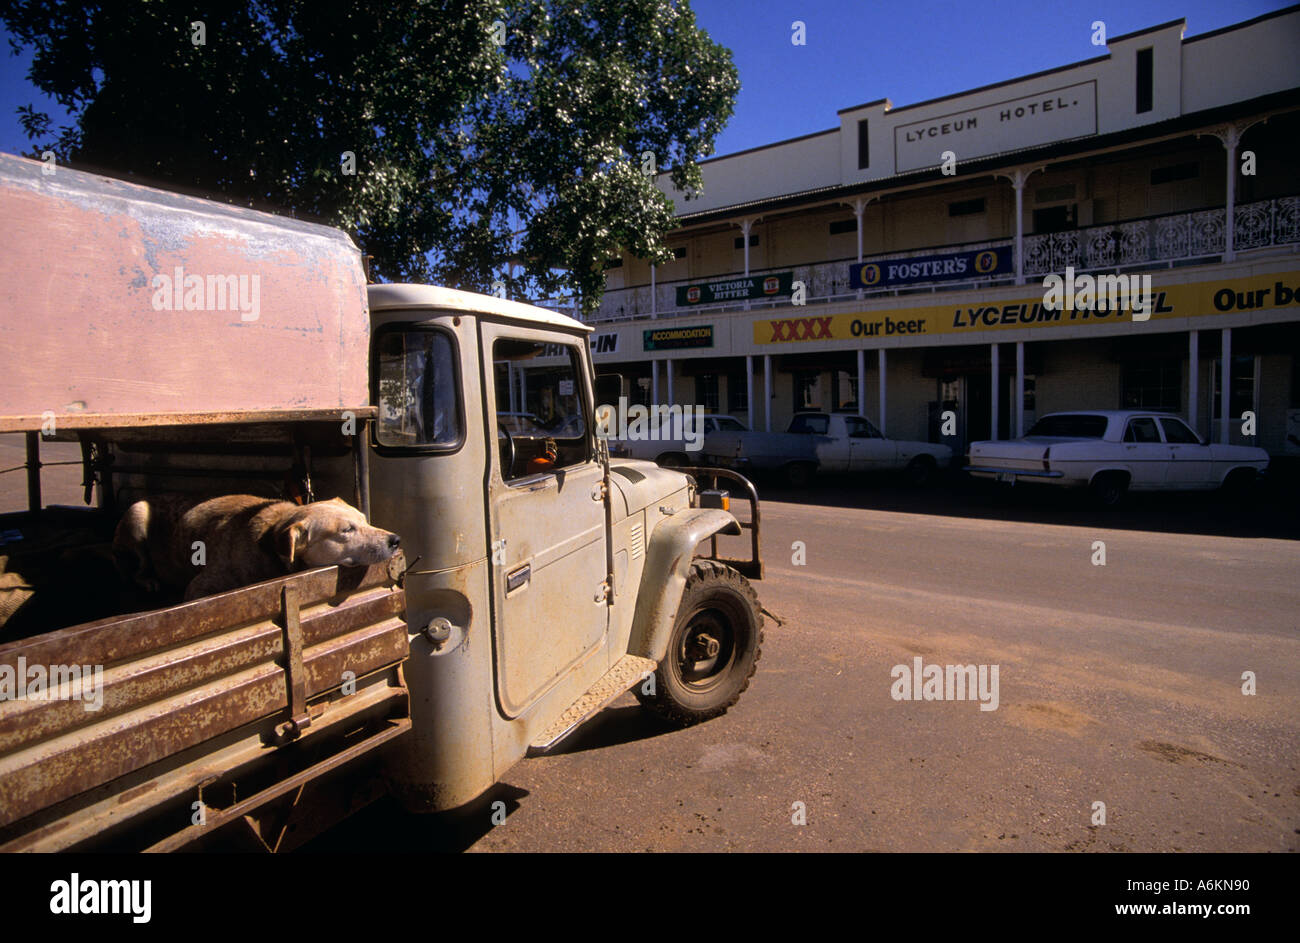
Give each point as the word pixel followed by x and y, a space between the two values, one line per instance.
pixel 1070 426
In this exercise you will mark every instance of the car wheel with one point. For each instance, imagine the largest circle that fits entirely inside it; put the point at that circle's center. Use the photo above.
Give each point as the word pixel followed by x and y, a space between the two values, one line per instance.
pixel 713 650
pixel 920 470
pixel 1239 484
pixel 800 474
pixel 1107 489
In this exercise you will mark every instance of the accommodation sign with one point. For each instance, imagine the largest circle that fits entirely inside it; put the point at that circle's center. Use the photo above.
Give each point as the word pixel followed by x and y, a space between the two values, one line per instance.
pixel 1054 115
pixel 675 338
pixel 982 263
pixel 735 289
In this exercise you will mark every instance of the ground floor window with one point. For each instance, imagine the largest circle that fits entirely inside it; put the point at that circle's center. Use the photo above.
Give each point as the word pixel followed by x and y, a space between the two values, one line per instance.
pixel 1154 384
pixel 1241 391
pixel 807 391
pixel 737 392
pixel 706 391
pixel 639 391
pixel 846 391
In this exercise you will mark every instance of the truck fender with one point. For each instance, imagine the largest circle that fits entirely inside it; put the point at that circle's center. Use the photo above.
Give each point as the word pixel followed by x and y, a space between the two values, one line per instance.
pixel 667 565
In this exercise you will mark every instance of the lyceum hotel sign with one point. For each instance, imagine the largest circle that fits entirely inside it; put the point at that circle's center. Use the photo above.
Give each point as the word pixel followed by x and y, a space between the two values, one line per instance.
pixel 1054 115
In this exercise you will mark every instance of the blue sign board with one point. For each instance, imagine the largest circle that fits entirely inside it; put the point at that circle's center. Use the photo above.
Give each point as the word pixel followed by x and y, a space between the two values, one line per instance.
pixel 960 266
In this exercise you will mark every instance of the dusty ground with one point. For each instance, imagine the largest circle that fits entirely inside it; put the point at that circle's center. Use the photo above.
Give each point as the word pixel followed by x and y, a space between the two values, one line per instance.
pixel 1119 684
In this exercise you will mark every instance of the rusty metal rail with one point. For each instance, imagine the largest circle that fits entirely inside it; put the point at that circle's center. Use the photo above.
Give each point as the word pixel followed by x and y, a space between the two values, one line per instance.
pixel 753 567
pixel 260 671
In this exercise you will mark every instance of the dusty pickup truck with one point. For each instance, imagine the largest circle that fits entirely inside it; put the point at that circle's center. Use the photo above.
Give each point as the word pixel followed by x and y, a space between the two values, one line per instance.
pixel 1111 452
pixel 200 348
pixel 828 442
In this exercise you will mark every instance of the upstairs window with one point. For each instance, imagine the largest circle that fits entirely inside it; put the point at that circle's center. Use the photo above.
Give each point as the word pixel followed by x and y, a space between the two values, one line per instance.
pixel 967 207
pixel 1145 79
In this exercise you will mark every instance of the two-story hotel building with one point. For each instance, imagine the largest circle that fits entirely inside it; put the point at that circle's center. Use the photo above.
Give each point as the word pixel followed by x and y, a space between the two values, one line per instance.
pixel 895 263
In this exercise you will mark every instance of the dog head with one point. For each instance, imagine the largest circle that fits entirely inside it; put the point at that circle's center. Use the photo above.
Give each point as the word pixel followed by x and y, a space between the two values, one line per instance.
pixel 329 533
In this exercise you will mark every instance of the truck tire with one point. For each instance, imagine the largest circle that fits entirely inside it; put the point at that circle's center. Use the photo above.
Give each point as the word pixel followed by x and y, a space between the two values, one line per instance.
pixel 719 613
pixel 800 474
pixel 672 460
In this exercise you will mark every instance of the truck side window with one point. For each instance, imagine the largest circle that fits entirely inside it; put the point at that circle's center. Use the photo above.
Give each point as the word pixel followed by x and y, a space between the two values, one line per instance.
pixel 416 389
pixel 540 405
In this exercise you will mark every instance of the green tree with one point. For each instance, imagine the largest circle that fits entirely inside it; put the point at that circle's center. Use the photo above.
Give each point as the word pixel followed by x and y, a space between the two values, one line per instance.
pixel 482 132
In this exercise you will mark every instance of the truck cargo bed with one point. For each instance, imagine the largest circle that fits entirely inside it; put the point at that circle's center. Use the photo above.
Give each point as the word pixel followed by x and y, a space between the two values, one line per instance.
pixel 154 729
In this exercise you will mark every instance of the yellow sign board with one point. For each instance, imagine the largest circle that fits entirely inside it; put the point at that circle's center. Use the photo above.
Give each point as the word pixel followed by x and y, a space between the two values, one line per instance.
pixel 1260 292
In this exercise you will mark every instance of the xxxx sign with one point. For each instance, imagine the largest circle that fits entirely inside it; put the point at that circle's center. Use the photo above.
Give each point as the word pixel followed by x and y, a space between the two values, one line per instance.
pixel 799 329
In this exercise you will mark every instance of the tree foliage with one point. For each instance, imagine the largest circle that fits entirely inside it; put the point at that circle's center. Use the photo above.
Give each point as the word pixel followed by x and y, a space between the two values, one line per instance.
pixel 483 132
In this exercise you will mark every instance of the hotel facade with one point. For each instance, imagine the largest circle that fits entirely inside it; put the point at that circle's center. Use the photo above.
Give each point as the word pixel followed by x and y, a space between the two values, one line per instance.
pixel 896 263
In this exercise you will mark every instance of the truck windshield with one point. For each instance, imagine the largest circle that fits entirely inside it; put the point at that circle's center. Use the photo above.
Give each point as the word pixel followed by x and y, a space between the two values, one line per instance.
pixel 416 389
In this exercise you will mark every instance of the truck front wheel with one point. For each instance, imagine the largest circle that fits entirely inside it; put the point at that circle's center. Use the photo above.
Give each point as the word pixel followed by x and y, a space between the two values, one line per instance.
pixel 713 650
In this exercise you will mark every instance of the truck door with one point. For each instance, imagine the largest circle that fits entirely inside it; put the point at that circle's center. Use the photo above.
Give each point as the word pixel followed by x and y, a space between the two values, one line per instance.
pixel 547 513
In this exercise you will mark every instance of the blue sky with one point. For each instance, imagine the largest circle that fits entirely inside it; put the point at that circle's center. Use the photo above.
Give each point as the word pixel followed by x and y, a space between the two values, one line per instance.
pixel 856 52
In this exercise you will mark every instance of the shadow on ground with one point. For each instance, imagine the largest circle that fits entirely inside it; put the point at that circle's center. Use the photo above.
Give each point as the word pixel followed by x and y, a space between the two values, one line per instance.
pixel 1272 510
pixel 384 826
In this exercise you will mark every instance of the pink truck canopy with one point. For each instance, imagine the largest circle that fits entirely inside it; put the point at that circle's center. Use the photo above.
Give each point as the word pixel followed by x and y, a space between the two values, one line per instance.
pixel 122 305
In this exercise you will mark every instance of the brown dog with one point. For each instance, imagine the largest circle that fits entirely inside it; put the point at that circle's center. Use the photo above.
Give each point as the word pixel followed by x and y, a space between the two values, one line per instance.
pixel 205 547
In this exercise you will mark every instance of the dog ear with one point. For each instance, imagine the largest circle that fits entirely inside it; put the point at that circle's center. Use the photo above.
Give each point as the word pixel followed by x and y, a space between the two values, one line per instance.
pixel 290 537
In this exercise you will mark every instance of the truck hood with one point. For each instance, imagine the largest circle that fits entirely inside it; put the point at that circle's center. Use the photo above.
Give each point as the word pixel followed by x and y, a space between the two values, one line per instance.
pixel 639 485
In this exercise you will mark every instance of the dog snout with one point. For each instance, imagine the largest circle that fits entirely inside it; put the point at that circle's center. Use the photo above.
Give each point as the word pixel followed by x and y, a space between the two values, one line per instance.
pixel 393 541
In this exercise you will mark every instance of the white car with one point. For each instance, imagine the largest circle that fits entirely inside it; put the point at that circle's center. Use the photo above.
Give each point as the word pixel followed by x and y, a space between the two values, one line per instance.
pixel 828 442
pixel 674 452
pixel 1114 451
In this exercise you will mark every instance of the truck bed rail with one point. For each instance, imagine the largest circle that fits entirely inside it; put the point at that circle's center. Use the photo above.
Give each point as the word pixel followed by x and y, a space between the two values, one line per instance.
pixel 222 703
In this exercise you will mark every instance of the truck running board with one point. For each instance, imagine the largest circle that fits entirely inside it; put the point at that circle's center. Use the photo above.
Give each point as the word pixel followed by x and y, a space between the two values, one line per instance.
pixel 628 671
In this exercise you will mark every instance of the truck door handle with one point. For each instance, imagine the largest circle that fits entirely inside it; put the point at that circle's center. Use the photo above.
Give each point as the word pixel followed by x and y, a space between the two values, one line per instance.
pixel 518 577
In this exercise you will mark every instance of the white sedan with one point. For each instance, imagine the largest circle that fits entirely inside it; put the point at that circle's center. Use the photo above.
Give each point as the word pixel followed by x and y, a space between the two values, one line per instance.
pixel 1114 451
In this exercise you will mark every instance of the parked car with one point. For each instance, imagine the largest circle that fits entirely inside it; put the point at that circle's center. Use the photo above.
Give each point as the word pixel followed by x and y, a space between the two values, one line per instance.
pixel 674 452
pixel 1115 451
pixel 831 442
